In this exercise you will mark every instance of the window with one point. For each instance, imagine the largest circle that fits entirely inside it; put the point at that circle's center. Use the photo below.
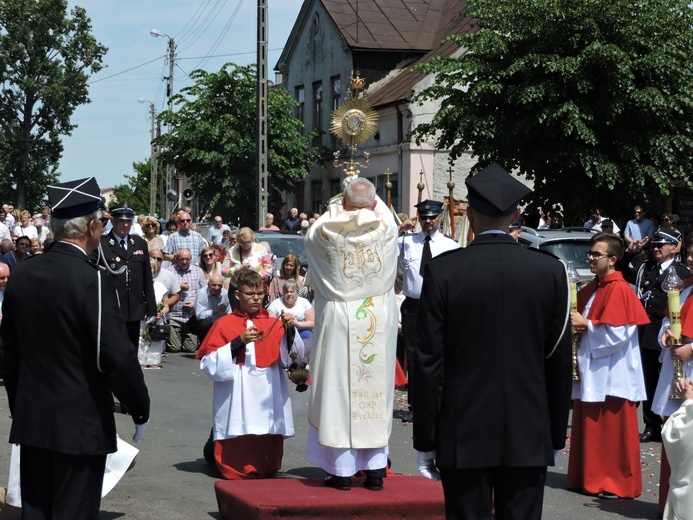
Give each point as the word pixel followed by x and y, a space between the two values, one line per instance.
pixel 336 91
pixel 300 109
pixel 380 189
pixel 317 105
pixel 316 196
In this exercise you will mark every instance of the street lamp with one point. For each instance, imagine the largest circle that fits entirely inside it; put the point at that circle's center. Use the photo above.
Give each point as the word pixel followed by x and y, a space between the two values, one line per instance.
pixel 152 163
pixel 169 92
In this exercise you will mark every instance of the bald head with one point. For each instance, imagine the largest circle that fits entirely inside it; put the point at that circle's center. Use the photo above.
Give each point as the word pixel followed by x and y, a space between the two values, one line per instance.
pixel 359 194
pixel 4 275
pixel 216 282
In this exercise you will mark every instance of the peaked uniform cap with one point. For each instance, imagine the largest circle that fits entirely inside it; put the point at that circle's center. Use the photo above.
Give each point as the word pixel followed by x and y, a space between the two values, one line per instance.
pixel 429 208
pixel 122 211
pixel 667 236
pixel 494 192
pixel 75 198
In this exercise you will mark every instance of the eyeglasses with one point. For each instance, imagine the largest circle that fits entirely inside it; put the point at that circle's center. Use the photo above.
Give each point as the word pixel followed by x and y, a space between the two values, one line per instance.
pixel 596 255
pixel 158 258
pixel 208 255
pixel 637 212
pixel 659 246
pixel 185 258
pixel 150 225
pixel 253 294
pixel 184 220
pixel 428 217
pixel 104 220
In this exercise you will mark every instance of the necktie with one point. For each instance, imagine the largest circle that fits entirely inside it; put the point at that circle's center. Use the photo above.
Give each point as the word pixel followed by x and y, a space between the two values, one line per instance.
pixel 426 255
pixel 123 244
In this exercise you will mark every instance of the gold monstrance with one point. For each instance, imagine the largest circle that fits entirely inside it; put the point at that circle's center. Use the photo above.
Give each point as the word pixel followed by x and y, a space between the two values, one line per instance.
pixel 354 122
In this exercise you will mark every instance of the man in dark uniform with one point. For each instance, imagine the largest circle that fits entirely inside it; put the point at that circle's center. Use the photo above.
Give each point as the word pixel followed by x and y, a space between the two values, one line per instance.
pixel 415 250
pixel 493 372
pixel 60 376
pixel 648 281
pixel 134 283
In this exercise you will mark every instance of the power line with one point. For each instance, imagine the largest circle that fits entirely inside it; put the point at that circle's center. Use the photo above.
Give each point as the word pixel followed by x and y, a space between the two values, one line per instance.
pixel 124 71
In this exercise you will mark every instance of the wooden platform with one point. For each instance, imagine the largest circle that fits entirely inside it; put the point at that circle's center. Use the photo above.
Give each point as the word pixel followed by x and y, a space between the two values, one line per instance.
pixel 401 497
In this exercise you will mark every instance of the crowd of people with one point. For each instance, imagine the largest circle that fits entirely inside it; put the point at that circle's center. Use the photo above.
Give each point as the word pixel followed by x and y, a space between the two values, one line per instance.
pixel 249 319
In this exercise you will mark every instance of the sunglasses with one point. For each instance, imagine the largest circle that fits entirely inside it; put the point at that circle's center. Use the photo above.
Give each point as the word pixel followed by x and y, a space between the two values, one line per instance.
pixel 158 259
pixel 208 255
pixel 185 220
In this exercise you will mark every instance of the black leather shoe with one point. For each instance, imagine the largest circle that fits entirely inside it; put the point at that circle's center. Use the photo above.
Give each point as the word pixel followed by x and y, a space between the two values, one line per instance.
pixel 340 483
pixel 373 483
pixel 650 435
pixel 408 417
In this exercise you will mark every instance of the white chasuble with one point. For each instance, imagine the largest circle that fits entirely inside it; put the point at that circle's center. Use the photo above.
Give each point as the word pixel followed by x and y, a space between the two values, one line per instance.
pixel 353 262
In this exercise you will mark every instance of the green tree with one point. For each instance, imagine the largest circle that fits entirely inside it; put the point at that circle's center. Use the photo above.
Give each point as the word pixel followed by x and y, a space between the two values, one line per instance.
pixel 213 141
pixel 46 58
pixel 136 192
pixel 591 100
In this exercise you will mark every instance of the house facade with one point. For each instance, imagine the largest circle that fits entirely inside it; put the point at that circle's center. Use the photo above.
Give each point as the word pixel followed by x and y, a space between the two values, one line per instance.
pixel 332 41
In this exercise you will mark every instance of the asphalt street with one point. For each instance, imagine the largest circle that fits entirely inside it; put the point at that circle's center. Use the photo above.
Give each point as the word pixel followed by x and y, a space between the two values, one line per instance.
pixel 172 481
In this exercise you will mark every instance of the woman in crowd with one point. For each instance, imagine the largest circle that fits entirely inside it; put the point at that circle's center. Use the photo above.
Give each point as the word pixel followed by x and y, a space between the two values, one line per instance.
pixel 246 253
pixel 25 228
pixel 298 312
pixel 152 233
pixel 23 251
pixel 209 263
pixel 36 248
pixel 289 270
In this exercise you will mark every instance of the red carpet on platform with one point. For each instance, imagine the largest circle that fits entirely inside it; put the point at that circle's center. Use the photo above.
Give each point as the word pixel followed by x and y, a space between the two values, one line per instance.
pixel 401 497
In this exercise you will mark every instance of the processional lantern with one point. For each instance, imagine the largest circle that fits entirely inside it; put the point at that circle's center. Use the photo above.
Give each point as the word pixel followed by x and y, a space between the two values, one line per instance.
pixel 353 122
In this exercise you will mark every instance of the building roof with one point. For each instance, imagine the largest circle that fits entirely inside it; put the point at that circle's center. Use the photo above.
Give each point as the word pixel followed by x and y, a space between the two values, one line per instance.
pixel 405 25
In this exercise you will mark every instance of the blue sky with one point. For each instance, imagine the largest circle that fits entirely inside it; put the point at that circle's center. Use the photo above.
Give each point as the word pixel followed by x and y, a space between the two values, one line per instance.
pixel 114 129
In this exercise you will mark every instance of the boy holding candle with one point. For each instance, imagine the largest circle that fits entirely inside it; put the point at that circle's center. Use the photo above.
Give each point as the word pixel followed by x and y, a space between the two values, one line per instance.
pixel 605 448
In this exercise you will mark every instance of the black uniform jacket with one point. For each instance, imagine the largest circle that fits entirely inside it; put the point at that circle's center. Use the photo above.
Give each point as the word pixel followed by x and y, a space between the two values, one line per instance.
pixel 135 286
pixel 493 369
pixel 59 379
pixel 655 299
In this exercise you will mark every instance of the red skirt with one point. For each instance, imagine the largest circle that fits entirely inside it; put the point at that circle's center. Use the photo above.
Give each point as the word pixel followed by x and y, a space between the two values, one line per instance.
pixel 605 448
pixel 249 456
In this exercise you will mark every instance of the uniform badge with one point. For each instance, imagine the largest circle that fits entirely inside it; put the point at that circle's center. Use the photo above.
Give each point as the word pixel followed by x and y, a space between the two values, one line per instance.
pixel 117 259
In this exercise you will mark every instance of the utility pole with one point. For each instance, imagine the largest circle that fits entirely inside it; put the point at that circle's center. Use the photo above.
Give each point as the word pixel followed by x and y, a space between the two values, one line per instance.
pixel 261 164
pixel 152 164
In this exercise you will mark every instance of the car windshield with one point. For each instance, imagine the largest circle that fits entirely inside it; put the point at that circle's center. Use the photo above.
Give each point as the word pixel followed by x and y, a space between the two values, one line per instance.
pixel 575 251
pixel 282 245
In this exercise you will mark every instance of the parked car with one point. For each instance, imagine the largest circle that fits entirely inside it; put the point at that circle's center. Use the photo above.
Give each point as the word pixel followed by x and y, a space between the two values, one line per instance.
pixel 566 243
pixel 282 244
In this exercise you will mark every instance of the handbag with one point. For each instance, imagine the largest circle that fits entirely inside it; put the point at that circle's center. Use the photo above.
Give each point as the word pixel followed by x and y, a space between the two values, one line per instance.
pixel 161 332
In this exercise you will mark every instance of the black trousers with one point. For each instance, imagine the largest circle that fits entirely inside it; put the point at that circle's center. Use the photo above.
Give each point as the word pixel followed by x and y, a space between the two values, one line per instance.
pixel 410 312
pixel 57 486
pixel 650 370
pixel 133 332
pixel 518 493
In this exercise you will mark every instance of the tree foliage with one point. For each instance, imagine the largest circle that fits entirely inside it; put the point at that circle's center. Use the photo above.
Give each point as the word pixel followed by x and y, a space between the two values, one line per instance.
pixel 591 100
pixel 136 192
pixel 46 57
pixel 213 141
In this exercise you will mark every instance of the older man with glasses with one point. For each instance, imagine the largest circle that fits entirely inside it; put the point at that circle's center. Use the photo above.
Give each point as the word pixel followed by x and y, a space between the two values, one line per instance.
pixel 666 244
pixel 191 279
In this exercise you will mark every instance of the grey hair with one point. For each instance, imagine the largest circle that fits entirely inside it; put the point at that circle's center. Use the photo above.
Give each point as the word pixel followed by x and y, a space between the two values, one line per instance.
pixel 360 193
pixel 269 215
pixel 75 227
pixel 288 285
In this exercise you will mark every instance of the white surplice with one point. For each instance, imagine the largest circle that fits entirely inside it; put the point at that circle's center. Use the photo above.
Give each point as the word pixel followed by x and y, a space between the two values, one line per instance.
pixel 677 436
pixel 353 263
pixel 248 400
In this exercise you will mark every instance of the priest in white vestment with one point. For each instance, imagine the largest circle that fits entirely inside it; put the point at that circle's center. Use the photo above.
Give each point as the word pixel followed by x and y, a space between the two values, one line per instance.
pixel 352 254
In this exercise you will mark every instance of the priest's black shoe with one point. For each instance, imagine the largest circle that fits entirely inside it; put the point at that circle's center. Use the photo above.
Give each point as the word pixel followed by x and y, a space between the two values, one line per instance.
pixel 373 483
pixel 650 435
pixel 340 483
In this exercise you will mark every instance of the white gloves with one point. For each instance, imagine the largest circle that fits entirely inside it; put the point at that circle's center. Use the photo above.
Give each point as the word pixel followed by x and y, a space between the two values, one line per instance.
pixel 425 460
pixel 139 430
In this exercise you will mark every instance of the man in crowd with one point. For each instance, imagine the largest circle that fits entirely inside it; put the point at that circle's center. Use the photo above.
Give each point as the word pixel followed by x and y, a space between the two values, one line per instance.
pixel 186 238
pixel 191 279
pixel 4 230
pixel 216 232
pixel 596 219
pixel 494 342
pixel 61 377
pixel 166 278
pixel 414 251
pixel 292 222
pixel 352 252
pixel 651 274
pixel 638 229
pixel 128 263
pixel 211 303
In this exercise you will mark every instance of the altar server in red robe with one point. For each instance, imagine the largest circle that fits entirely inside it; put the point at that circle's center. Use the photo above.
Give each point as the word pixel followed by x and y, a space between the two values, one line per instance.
pixel 605 447
pixel 244 354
